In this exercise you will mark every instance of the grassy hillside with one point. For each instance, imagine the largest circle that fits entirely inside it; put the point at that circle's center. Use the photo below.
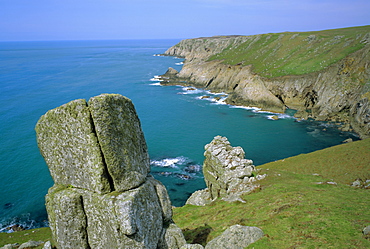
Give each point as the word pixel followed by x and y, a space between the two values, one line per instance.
pixel 296 207
pixel 295 53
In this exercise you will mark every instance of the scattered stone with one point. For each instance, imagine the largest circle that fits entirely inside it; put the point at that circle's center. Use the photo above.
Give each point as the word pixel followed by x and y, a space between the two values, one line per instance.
pixel 205 97
pixel 236 237
pixel 275 117
pixel 366 231
pixel 348 140
pixel 30 244
pixel 199 198
pixel 356 183
pixel 190 89
pixel 192 246
pixel 332 183
pixel 47 245
pixel 10 246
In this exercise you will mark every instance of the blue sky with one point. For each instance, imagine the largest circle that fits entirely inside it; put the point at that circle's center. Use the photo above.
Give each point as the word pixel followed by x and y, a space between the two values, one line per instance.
pixel 145 19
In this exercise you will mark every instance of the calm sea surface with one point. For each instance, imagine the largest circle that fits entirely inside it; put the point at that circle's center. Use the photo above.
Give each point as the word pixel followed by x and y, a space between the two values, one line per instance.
pixel 177 123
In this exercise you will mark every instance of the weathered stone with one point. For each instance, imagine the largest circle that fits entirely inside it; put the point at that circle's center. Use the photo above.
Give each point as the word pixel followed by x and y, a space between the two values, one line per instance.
pixel 103 196
pixel 47 245
pixel 10 246
pixel 67 218
pixel 121 140
pixel 30 244
pixel 366 230
pixel 68 143
pixel 172 237
pixel 164 199
pixel 236 237
pixel 199 198
pixel 131 219
pixel 192 246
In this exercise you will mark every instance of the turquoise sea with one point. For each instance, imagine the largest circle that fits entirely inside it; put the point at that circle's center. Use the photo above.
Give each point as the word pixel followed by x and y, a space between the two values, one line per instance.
pixel 177 123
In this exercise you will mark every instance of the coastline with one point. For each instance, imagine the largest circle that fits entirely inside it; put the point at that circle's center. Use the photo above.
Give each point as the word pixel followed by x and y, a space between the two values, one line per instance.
pixel 336 93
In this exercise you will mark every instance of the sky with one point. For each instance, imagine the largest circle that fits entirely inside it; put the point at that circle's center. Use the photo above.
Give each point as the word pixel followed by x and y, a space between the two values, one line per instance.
pixel 28 20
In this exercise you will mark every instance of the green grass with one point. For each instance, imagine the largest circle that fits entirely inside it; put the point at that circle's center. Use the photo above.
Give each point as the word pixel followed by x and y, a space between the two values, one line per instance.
pixel 291 207
pixel 294 53
pixel 39 234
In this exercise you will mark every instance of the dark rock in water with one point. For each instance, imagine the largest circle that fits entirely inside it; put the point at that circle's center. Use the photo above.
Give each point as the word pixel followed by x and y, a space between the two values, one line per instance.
pixel 8 205
pixel 103 195
pixel 16 228
pixel 180 183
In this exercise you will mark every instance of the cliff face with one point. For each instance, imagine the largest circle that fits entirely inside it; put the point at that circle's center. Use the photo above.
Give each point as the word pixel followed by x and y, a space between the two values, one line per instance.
pixel 323 75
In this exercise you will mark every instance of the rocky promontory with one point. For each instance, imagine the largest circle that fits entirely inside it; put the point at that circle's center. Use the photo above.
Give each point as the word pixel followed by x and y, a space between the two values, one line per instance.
pixel 324 75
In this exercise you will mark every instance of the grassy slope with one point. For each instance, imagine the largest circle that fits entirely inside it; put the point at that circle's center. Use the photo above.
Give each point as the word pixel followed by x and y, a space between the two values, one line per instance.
pixel 291 208
pixel 295 53
pixel 39 234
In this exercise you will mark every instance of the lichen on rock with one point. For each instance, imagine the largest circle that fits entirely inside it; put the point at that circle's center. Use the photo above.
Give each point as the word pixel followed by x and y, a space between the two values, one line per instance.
pixel 103 196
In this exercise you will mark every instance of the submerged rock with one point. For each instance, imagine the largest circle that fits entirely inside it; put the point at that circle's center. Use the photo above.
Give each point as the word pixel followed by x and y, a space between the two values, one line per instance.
pixel 103 196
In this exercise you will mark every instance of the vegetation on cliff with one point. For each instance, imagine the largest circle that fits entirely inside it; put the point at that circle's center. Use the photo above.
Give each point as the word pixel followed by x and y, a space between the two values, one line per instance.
pixel 325 75
pixel 295 53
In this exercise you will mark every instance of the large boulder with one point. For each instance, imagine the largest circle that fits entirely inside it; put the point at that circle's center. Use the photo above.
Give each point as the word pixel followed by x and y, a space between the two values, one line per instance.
pixel 236 237
pixel 67 140
pixel 103 195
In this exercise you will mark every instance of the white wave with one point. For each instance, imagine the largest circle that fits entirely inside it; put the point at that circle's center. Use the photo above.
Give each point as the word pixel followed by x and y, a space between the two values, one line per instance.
pixel 179 63
pixel 190 90
pixel 254 109
pixel 169 162
pixel 156 78
pixel 156 84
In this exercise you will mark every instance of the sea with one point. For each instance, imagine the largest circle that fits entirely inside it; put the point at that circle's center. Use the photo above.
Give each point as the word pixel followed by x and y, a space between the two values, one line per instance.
pixel 178 121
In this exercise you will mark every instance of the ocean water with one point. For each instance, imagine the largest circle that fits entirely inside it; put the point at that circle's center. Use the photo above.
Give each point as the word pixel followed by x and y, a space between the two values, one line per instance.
pixel 177 121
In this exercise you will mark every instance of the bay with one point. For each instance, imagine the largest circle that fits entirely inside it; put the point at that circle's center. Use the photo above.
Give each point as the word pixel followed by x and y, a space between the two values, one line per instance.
pixel 177 122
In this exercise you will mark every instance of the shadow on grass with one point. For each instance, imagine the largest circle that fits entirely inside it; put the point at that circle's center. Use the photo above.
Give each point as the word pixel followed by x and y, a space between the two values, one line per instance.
pixel 198 235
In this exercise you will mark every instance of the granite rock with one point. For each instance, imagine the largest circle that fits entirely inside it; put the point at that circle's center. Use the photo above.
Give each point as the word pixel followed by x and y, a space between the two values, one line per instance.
pixel 236 237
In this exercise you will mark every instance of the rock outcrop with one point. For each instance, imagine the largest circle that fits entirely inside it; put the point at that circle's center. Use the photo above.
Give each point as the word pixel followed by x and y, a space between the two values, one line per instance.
pixel 332 89
pixel 103 196
pixel 227 173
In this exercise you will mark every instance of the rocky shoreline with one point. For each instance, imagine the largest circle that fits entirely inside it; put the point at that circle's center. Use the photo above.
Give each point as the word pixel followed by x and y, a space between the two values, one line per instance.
pixel 338 93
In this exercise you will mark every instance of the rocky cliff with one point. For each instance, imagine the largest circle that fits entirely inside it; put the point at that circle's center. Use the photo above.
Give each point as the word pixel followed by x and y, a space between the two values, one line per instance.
pixel 324 75
pixel 103 196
